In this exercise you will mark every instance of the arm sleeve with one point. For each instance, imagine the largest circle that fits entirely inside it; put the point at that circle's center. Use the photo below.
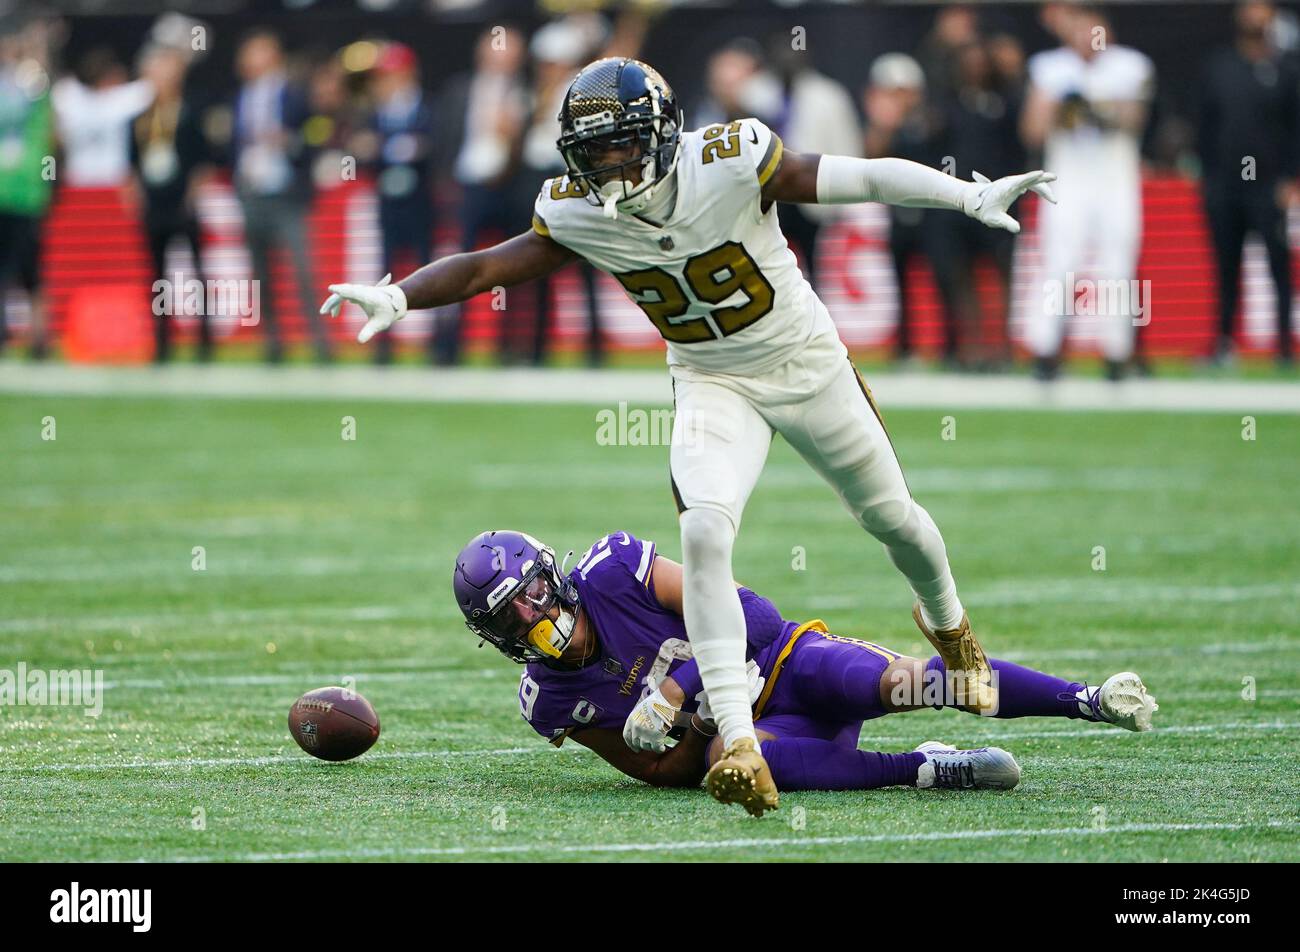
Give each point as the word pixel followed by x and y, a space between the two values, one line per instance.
pixel 843 180
pixel 763 624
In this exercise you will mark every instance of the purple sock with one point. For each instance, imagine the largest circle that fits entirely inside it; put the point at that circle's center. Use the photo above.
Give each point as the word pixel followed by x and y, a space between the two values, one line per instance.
pixel 809 763
pixel 1024 692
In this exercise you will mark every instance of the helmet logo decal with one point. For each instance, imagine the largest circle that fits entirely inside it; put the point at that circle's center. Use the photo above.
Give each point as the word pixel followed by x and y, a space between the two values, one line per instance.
pixel 503 588
pixel 599 120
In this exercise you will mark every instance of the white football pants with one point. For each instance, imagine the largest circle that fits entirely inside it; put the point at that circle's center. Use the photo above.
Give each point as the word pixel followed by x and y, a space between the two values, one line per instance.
pixel 1092 234
pixel 723 427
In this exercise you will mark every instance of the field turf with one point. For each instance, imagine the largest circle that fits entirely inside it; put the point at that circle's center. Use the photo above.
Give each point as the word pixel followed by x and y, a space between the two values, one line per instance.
pixel 328 558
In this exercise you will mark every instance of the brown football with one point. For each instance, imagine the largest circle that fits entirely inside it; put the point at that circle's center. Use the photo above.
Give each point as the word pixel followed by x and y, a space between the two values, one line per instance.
pixel 333 723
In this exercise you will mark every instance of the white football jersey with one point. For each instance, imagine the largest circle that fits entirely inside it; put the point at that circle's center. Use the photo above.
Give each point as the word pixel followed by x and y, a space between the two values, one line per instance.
pixel 1115 74
pixel 717 279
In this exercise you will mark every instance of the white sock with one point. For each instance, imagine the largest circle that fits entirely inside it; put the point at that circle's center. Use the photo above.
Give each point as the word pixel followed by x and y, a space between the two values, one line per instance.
pixel 941 609
pixel 715 622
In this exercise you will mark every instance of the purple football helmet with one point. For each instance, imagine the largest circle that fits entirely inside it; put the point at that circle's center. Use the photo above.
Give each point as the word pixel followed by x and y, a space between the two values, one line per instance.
pixel 513 594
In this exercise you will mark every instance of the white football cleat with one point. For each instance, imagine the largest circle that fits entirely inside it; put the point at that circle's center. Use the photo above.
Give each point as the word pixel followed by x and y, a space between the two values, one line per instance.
pixel 984 768
pixel 1124 700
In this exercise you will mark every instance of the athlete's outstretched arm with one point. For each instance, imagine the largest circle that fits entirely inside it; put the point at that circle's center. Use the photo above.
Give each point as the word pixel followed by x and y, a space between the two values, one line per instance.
pixel 843 180
pixel 667 576
pixel 451 279
pixel 680 766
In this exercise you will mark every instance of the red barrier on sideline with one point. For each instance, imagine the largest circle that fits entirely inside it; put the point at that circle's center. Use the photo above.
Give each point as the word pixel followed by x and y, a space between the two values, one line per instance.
pixel 92 241
pixel 108 324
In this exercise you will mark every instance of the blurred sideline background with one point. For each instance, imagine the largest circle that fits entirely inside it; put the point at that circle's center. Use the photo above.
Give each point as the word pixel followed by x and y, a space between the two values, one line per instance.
pixel 393 131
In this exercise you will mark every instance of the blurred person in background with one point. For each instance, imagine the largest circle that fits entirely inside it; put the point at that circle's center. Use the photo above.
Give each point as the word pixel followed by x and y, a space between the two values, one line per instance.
pixel 900 126
pixel 272 175
pixel 736 85
pixel 26 140
pixel 1087 107
pixel 557 50
pixel 93 112
pixel 956 27
pixel 493 196
pixel 170 157
pixel 1008 59
pixel 403 124
pixel 976 131
pixel 336 120
pixel 810 111
pixel 813 114
pixel 1247 141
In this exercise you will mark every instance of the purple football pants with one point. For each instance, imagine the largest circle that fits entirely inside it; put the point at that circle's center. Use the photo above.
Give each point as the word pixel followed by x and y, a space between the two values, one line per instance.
pixel 827 688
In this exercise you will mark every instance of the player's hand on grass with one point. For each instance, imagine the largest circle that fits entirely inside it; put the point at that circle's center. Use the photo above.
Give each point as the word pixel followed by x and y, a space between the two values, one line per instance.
pixel 987 201
pixel 647 727
pixel 384 304
pixel 756 682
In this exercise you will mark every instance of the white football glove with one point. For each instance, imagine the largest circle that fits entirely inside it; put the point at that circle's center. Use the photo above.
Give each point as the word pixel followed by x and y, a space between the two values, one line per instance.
pixel 987 201
pixel 647 727
pixel 384 304
pixel 756 682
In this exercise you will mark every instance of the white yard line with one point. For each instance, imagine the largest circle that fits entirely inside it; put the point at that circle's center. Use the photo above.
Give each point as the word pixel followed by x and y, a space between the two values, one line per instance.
pixel 278 759
pixel 1230 690
pixel 294 615
pixel 1090 588
pixel 1093 730
pixel 786 842
pixel 360 679
pixel 265 567
pixel 637 387
pixel 1123 591
pixel 1180 651
pixel 1024 592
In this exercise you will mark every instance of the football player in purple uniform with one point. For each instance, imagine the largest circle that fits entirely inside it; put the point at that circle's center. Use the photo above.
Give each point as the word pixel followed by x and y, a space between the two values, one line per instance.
pixel 608 664
pixel 686 220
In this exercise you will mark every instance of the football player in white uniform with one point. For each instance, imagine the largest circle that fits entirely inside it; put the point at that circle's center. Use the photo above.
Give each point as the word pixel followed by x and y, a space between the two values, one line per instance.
pixel 686 222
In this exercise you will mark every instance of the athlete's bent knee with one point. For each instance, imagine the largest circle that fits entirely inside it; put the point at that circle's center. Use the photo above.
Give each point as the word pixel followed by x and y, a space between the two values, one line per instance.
pixel 893 520
pixel 706 534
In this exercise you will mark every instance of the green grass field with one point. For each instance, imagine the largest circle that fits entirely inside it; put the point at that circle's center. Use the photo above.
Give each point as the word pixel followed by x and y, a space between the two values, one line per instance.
pixel 328 558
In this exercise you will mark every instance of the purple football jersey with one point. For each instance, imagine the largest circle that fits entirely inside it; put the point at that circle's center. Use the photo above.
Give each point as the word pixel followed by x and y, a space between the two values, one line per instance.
pixel 641 643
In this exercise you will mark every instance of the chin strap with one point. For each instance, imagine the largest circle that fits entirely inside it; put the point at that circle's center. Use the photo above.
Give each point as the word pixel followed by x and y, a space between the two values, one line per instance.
pixel 611 208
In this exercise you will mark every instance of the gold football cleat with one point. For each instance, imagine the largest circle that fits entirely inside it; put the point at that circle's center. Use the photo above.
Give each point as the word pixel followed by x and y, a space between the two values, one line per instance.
pixel 741 776
pixel 970 674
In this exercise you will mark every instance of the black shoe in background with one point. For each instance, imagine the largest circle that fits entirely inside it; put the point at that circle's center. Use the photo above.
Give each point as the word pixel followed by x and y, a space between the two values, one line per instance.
pixel 1225 352
pixel 1046 368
